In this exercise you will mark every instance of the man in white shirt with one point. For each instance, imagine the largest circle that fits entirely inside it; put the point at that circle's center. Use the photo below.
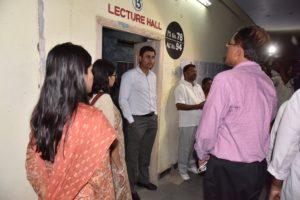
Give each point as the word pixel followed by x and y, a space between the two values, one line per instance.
pixel 285 163
pixel 189 99
pixel 137 100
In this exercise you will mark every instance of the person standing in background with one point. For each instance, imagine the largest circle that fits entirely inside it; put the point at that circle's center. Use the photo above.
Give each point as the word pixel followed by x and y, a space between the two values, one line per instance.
pixel 104 78
pixel 206 84
pixel 137 100
pixel 233 134
pixel 282 79
pixel 189 99
pixel 296 73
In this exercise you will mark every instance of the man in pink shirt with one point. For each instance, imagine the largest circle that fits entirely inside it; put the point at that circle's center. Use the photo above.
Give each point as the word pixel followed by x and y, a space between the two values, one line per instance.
pixel 233 134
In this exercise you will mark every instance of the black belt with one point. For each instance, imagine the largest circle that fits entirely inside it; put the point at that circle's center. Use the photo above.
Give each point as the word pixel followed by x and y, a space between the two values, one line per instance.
pixel 146 115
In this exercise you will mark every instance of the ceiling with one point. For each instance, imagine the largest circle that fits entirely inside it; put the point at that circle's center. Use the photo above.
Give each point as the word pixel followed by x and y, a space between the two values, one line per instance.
pixel 273 15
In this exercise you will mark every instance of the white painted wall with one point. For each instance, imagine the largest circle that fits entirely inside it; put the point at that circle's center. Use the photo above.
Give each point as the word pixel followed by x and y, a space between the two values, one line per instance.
pixel 206 30
pixel 19 90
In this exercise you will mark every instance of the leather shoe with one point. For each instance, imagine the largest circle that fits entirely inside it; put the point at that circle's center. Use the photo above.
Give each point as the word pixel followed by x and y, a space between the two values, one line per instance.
pixel 135 196
pixel 149 186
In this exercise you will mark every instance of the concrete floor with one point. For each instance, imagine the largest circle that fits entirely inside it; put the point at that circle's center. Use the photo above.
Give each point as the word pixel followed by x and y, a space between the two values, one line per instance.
pixel 172 187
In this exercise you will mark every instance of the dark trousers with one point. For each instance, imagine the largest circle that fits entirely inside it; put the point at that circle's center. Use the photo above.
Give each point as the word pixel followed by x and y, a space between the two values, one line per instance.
pixel 141 135
pixel 227 180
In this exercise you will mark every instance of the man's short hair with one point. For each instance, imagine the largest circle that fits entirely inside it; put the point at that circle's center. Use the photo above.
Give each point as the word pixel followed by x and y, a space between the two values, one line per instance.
pixel 253 40
pixel 145 49
pixel 187 67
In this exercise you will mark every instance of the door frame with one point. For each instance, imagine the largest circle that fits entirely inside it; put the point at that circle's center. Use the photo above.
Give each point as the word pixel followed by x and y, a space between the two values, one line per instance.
pixel 122 26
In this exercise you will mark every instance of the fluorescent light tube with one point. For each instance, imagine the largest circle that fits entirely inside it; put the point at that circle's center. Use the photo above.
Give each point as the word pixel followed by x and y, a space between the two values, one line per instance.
pixel 205 2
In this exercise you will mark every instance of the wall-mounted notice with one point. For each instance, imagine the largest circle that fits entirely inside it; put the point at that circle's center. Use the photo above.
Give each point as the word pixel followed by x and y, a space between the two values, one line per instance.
pixel 174 40
pixel 133 16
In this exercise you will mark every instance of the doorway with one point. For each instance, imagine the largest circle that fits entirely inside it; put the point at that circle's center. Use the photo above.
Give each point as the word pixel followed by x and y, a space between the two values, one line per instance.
pixel 118 47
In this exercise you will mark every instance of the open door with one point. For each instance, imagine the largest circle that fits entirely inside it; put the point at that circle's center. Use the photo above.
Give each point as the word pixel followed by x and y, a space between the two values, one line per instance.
pixel 153 168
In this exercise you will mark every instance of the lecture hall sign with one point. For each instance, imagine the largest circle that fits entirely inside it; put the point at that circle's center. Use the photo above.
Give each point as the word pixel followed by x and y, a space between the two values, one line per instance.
pixel 174 39
pixel 134 16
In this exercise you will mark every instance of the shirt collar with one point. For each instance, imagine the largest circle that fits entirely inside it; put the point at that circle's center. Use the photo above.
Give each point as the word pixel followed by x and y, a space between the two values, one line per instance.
pixel 139 70
pixel 188 83
pixel 248 64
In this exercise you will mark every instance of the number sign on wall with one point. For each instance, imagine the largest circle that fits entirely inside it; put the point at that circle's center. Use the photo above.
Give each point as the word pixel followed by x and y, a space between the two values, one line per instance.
pixel 174 40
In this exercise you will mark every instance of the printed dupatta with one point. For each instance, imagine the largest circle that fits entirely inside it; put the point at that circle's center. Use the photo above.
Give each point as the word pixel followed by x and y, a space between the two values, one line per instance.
pixel 79 154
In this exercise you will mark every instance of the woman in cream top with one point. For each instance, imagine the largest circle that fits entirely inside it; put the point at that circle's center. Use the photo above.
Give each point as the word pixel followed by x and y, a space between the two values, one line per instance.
pixel 104 78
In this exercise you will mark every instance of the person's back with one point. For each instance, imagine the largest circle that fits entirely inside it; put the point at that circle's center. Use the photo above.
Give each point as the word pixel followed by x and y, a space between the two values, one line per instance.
pixel 79 155
pixel 251 109
pixel 233 133
pixel 69 139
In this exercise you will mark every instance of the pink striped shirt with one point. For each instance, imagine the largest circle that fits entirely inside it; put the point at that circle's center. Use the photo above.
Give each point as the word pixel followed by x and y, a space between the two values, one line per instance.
pixel 237 115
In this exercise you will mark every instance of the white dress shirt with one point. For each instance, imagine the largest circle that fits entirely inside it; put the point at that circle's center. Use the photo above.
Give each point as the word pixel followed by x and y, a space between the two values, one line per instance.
pixel 137 93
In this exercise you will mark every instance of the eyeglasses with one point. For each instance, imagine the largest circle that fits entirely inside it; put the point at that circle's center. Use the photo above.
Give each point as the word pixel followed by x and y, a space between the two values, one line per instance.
pixel 230 44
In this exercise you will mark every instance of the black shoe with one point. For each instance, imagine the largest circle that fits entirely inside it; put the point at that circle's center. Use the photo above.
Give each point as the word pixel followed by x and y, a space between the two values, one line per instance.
pixel 135 196
pixel 148 186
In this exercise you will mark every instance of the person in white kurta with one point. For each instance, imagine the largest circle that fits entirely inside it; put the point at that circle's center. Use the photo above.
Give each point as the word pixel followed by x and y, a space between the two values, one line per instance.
pixel 189 100
pixel 285 163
